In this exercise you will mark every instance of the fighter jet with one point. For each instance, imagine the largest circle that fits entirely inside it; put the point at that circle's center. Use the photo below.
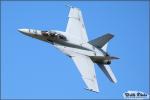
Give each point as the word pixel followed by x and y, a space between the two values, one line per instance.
pixel 74 43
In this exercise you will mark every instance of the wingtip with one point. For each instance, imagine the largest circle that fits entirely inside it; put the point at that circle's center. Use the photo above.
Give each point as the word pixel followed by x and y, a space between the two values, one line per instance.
pixel 92 90
pixel 68 5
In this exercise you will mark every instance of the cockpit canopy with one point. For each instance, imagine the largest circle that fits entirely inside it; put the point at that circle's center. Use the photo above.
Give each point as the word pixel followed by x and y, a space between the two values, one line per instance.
pixel 44 33
pixel 53 34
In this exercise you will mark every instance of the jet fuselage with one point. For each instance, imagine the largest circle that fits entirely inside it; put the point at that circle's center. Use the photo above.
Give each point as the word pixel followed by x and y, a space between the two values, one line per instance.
pixel 61 41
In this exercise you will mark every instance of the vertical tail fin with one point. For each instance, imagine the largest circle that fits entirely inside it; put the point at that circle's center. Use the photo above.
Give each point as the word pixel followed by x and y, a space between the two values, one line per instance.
pixel 101 42
pixel 104 48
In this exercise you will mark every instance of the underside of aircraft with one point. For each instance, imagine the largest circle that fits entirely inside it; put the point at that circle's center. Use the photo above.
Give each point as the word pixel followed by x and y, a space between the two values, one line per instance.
pixel 75 44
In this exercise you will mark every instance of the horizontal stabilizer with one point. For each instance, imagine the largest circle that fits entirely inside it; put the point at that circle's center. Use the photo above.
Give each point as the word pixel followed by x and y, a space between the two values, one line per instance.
pixel 101 41
pixel 108 72
pixel 112 58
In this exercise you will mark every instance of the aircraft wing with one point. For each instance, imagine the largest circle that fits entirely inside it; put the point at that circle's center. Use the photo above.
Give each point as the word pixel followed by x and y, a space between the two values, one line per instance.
pixel 75 28
pixel 87 71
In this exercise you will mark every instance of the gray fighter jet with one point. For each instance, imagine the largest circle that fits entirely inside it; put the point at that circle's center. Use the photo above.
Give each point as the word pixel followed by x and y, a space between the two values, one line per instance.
pixel 75 44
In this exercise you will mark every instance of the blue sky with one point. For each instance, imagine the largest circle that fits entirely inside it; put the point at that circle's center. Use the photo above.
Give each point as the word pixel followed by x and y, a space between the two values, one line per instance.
pixel 32 69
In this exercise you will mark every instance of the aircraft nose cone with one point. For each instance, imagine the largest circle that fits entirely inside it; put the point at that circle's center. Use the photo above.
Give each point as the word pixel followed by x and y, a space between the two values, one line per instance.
pixel 23 30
